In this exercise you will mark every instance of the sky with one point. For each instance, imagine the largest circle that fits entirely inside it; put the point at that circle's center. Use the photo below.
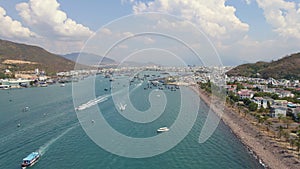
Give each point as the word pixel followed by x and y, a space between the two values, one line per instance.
pixel 233 31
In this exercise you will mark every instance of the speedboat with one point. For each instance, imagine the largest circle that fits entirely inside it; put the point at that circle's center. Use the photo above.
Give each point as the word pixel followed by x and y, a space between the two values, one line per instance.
pixel 30 160
pixel 163 129
pixel 122 107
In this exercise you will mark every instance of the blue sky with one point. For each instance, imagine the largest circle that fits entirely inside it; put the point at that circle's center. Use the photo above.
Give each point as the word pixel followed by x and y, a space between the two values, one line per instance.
pixel 240 30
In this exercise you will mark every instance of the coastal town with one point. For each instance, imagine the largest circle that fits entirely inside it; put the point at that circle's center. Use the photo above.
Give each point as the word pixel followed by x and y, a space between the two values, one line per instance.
pixel 150 84
pixel 271 106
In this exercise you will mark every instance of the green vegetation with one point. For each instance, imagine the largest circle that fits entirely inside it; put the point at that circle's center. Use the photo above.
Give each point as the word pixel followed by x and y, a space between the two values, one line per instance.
pixel 4 76
pixel 265 94
pixel 49 62
pixel 250 105
pixel 261 116
pixel 285 68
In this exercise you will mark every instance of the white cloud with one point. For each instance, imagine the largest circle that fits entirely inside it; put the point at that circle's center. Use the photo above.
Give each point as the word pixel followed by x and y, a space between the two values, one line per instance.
pixel 48 20
pixel 12 29
pixel 284 17
pixel 127 34
pixel 148 40
pixel 214 17
pixel 106 31
pixel 248 2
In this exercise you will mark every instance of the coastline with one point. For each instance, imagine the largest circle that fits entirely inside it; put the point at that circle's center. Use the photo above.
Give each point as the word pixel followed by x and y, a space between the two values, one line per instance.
pixel 267 152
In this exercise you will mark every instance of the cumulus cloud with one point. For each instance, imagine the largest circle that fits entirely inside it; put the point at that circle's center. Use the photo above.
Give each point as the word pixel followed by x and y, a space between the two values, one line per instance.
pixel 214 17
pixel 10 28
pixel 284 16
pixel 47 19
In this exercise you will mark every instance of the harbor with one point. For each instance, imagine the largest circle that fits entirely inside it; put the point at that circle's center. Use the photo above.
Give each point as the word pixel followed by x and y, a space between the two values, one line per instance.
pixel 57 132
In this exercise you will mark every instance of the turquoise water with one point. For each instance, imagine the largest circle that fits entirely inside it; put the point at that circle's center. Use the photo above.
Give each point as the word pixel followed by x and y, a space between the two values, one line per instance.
pixel 51 127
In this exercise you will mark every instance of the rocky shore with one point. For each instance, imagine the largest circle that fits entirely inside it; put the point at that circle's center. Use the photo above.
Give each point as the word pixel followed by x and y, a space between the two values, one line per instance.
pixel 267 151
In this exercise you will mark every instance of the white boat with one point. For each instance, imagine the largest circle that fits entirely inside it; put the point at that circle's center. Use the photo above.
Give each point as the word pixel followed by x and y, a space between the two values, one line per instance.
pixel 163 129
pixel 122 107
pixel 30 160
pixel 62 85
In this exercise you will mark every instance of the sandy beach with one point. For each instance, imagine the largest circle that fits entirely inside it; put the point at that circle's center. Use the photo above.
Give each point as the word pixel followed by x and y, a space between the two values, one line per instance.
pixel 262 146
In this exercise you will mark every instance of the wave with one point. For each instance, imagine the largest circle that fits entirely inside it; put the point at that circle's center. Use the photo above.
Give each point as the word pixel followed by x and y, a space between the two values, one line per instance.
pixel 43 149
pixel 101 99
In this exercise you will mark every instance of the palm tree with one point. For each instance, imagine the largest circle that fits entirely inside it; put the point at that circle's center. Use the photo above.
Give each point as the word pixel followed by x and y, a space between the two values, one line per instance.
pixel 269 123
pixel 261 119
pixel 280 132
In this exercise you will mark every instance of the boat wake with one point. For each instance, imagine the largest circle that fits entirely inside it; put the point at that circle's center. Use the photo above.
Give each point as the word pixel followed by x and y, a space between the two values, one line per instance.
pixel 43 149
pixel 92 102
pixel 101 99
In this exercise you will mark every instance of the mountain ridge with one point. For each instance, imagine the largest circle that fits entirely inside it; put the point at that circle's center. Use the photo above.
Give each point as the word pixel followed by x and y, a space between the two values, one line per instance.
pixel 287 67
pixel 49 62
pixel 88 58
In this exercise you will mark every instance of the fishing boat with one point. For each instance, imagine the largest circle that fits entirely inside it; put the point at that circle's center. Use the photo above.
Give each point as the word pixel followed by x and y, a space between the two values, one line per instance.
pixel 163 129
pixel 30 160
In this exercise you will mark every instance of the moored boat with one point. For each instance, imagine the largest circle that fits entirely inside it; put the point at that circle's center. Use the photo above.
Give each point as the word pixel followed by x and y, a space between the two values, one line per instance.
pixel 30 160
pixel 163 129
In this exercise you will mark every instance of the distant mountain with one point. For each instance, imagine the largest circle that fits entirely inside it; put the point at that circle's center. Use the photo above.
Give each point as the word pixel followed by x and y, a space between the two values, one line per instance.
pixel 285 68
pixel 22 57
pixel 88 59
pixel 137 64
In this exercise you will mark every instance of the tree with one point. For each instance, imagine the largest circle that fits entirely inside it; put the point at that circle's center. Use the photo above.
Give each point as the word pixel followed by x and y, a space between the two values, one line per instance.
pixel 292 143
pixel 246 112
pixel 298 117
pixel 260 119
pixel 239 108
pixel 247 101
pixel 261 109
pixel 252 106
pixel 280 132
pixel 268 105
pixel 287 121
pixel 286 135
pixel 280 116
pixel 298 141
pixel 269 124
pixel 239 86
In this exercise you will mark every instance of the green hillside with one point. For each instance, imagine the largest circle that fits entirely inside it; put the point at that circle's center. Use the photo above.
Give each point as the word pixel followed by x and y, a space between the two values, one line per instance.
pixel 285 68
pixel 43 59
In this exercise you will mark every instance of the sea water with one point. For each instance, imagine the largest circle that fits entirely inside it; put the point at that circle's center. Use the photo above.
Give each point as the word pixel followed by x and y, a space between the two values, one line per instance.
pixel 50 126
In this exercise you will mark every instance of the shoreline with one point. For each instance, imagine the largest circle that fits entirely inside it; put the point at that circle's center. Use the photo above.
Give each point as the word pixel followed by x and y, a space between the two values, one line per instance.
pixel 262 147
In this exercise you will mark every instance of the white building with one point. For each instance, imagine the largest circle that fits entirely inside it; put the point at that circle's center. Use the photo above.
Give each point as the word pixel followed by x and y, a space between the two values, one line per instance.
pixel 277 110
pixel 244 93
pixel 261 102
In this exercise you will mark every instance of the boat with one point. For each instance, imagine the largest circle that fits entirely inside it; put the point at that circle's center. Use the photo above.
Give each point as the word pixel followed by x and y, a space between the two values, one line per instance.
pixel 163 129
pixel 30 160
pixel 43 84
pixel 62 85
pixel 25 109
pixel 122 107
